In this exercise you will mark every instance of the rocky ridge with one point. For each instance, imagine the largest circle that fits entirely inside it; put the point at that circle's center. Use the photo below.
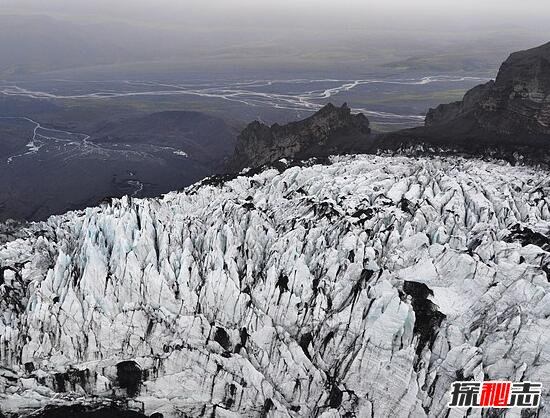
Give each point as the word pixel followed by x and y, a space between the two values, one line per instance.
pixel 507 118
pixel 331 130
pixel 517 102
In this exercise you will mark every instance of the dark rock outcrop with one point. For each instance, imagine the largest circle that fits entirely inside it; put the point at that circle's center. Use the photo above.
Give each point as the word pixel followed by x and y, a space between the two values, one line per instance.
pixel 506 118
pixel 517 102
pixel 332 130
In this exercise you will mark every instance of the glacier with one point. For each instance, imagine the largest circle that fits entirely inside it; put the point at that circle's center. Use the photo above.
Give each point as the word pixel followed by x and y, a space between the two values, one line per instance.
pixel 360 286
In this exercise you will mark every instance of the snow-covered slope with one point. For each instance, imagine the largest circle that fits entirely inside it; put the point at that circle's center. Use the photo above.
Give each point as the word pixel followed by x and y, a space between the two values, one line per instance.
pixel 359 288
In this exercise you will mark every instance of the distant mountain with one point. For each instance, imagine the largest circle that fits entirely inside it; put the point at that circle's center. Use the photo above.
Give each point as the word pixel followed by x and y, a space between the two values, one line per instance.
pixel 199 135
pixel 332 130
pixel 507 116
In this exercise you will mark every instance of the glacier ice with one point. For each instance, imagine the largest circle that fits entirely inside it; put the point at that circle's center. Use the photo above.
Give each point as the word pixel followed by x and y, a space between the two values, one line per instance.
pixel 363 287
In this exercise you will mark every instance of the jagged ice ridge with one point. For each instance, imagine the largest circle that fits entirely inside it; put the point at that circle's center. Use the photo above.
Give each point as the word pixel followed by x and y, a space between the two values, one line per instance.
pixel 363 286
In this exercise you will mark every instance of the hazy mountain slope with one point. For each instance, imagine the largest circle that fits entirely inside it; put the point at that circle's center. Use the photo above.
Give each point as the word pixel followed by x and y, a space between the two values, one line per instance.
pixel 204 137
pixel 364 287
pixel 144 155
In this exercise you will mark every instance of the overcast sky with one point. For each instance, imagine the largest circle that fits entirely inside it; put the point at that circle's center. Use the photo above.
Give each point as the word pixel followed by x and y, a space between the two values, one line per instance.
pixel 304 34
pixel 282 13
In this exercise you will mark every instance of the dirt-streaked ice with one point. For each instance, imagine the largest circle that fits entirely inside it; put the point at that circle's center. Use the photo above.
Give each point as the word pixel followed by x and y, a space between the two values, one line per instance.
pixel 363 287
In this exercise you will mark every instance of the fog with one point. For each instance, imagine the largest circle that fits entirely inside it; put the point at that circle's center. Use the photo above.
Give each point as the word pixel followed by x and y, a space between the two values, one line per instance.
pixel 43 35
pixel 309 13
